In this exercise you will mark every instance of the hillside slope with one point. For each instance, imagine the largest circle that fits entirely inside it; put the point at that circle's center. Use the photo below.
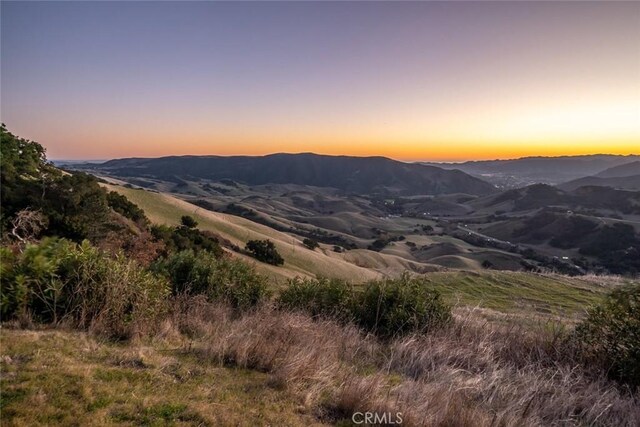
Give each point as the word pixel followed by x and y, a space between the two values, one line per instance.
pixel 627 169
pixel 362 175
pixel 299 261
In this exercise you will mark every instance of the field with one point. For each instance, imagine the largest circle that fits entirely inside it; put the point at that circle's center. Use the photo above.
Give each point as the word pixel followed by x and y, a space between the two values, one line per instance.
pixel 69 378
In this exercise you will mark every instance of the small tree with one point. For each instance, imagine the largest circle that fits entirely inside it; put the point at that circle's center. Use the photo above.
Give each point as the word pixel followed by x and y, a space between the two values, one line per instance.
pixel 188 221
pixel 265 251
pixel 310 243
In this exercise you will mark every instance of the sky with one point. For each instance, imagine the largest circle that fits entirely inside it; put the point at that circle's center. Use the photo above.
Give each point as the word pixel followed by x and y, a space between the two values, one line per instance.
pixel 439 81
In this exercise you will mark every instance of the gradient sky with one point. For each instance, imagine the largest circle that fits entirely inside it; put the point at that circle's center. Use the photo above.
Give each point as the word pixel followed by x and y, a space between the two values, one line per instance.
pixel 412 81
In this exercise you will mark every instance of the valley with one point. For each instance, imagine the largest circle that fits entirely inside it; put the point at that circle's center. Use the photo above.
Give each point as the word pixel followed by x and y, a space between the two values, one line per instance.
pixel 537 227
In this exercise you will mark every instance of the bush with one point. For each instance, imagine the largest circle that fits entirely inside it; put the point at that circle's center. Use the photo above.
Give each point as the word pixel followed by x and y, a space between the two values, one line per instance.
pixel 183 238
pixel 318 297
pixel 219 279
pixel 58 280
pixel 310 243
pixel 124 207
pixel 387 308
pixel 394 307
pixel 610 336
pixel 265 251
pixel 188 221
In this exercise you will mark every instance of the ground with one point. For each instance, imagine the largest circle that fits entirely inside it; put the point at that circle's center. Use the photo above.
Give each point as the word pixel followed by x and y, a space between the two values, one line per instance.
pixel 69 378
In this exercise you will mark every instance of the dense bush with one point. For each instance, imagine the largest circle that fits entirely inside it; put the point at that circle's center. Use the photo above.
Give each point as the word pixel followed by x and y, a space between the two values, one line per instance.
pixel 310 243
pixel 58 280
pixel 124 207
pixel 184 238
pixel 610 336
pixel 265 251
pixel 318 297
pixel 219 279
pixel 394 307
pixel 388 308
pixel 188 221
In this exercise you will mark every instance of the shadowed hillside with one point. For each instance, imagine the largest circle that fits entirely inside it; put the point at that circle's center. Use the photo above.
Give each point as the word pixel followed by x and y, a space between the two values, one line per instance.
pixel 363 175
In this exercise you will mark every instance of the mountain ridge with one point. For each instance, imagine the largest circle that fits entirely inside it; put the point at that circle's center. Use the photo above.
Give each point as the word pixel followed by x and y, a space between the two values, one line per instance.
pixel 364 175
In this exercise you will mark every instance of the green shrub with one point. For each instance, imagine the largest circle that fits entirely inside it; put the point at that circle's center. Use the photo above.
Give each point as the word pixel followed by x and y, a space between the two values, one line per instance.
pixel 395 307
pixel 265 251
pixel 610 336
pixel 318 297
pixel 183 238
pixel 57 280
pixel 188 221
pixel 219 279
pixel 386 308
pixel 310 243
pixel 124 207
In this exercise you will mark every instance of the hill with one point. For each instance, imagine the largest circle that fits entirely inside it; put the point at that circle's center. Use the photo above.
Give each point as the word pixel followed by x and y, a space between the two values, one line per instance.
pixel 627 169
pixel 356 266
pixel 361 175
pixel 543 195
pixel 530 170
pixel 631 182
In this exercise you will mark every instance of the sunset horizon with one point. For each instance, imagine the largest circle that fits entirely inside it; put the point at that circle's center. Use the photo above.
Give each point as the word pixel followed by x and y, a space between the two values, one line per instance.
pixel 410 81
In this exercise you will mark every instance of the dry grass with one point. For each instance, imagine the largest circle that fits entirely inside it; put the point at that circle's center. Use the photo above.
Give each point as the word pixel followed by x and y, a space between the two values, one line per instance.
pixel 473 373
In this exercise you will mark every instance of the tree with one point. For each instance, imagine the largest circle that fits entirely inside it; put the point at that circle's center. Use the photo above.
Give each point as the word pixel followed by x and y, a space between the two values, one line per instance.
pixel 265 251
pixel 310 243
pixel 188 221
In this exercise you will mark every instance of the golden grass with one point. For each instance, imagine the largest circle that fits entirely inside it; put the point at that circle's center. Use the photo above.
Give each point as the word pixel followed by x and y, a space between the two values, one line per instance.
pixel 472 374
pixel 210 366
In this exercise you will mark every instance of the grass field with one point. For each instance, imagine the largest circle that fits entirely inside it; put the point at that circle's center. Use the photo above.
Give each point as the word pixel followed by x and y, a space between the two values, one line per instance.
pixel 53 377
pixel 524 295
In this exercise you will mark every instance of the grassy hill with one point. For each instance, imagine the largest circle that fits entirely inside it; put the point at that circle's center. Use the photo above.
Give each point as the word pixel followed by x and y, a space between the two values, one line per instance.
pixel 506 292
pixel 356 266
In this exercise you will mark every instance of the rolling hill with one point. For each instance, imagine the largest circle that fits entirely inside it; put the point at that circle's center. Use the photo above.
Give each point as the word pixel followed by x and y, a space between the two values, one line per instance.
pixel 631 182
pixel 360 175
pixel 627 169
pixel 529 170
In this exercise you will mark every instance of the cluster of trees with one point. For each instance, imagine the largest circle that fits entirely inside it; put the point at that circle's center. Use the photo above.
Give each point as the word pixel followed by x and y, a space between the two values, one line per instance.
pixel 264 251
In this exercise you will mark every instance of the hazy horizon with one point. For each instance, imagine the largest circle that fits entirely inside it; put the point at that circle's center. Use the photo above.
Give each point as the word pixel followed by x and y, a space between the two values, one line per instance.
pixel 426 81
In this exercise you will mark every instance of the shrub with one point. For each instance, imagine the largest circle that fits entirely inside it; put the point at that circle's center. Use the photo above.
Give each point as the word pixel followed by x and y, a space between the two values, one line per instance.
pixel 610 336
pixel 219 279
pixel 265 251
pixel 58 280
pixel 310 243
pixel 318 297
pixel 188 221
pixel 394 307
pixel 183 238
pixel 124 207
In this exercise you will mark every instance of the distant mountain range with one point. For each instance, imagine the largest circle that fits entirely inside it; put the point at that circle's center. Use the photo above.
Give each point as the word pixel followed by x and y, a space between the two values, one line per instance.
pixel 361 175
pixel 624 177
pixel 549 170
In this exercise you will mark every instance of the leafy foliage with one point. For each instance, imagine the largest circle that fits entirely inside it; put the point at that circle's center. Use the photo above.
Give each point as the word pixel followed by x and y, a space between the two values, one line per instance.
pixel 188 221
pixel 318 297
pixel 219 279
pixel 58 280
pixel 388 308
pixel 124 207
pixel 310 243
pixel 183 238
pixel 610 336
pixel 394 307
pixel 74 205
pixel 265 251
